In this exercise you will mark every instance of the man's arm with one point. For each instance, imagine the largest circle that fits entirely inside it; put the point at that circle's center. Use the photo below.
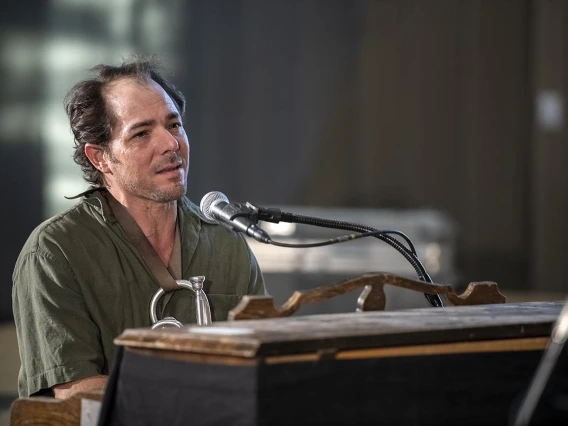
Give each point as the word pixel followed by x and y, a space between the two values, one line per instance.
pixel 57 338
pixel 65 390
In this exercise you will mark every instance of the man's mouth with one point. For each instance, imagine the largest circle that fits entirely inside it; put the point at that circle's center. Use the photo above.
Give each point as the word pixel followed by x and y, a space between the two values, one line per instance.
pixel 170 168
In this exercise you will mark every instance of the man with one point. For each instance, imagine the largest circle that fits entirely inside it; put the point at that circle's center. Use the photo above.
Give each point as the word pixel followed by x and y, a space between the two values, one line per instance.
pixel 81 279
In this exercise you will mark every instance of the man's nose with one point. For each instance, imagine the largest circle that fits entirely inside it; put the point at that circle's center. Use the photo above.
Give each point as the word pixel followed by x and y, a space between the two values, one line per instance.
pixel 168 141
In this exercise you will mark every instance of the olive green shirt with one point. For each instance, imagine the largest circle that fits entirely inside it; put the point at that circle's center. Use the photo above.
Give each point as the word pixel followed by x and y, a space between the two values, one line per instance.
pixel 79 282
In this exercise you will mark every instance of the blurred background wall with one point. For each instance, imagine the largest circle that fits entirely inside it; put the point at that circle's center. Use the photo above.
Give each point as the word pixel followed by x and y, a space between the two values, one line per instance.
pixel 457 106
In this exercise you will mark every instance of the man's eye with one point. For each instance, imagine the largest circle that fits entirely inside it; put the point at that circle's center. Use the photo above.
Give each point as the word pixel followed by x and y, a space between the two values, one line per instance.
pixel 140 134
pixel 176 125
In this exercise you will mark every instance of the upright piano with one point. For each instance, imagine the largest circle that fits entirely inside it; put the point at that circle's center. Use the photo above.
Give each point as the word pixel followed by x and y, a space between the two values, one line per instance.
pixel 462 365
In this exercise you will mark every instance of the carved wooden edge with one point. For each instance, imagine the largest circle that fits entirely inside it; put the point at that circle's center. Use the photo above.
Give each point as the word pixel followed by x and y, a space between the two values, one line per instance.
pixel 47 411
pixel 372 297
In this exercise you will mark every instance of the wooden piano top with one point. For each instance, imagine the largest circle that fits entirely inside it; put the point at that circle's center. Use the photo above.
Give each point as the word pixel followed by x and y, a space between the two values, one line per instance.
pixel 335 332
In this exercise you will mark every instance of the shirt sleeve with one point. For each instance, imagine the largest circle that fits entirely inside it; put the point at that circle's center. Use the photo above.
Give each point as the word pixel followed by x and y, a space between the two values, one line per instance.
pixel 57 339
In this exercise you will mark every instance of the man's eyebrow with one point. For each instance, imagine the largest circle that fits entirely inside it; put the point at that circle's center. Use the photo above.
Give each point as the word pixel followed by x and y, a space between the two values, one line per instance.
pixel 170 116
pixel 140 124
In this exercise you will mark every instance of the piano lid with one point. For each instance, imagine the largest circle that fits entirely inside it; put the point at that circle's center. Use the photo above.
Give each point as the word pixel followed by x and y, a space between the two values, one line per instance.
pixel 336 332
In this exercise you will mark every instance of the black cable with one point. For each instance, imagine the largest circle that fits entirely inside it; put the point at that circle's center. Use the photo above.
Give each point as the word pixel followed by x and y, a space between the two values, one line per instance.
pixel 409 254
pixel 331 241
pixel 348 226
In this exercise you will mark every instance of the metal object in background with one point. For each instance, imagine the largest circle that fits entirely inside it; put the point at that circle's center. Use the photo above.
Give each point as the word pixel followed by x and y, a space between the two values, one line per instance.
pixel 287 270
pixel 202 308
pixel 546 399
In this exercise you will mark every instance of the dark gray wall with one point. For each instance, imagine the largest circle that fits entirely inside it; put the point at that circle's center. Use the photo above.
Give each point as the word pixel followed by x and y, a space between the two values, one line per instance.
pixel 390 104
pixel 21 153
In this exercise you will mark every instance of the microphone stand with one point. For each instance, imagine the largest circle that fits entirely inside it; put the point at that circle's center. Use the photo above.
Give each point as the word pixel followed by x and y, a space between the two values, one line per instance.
pixel 276 215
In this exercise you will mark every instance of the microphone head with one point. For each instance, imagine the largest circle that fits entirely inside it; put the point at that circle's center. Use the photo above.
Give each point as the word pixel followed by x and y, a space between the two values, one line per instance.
pixel 209 201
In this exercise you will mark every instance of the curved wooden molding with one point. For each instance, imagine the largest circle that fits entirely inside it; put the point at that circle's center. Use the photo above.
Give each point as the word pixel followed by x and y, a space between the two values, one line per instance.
pixel 371 299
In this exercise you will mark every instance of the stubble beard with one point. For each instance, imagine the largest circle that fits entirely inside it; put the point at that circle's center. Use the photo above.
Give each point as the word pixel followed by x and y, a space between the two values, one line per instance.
pixel 153 193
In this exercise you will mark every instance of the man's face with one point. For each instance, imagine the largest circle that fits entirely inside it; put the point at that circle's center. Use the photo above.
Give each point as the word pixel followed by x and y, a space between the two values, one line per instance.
pixel 148 154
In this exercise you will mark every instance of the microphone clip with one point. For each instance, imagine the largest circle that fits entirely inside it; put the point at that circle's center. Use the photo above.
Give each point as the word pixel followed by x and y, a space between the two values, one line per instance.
pixel 265 214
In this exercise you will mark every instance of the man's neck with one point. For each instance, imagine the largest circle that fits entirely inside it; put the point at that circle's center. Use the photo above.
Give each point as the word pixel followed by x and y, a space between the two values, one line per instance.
pixel 156 220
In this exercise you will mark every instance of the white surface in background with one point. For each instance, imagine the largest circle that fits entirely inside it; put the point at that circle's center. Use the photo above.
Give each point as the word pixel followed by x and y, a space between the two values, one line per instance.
pixel 351 257
pixel 90 411
pixel 432 233
pixel 550 110
pixel 221 331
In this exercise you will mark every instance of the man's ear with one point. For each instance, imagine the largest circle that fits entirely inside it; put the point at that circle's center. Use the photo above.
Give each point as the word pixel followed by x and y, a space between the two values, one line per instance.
pixel 96 155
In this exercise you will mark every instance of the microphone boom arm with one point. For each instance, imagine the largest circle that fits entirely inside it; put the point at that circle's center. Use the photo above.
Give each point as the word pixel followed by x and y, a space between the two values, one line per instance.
pixel 276 215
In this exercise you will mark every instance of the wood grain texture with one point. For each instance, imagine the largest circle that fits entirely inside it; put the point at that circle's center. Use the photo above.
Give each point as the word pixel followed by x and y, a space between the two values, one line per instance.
pixel 367 330
pixel 45 411
pixel 372 298
pixel 193 357
pixel 503 345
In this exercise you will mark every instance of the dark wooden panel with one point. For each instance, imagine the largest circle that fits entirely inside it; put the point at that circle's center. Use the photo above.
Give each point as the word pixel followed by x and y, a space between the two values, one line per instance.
pixel 464 389
pixel 549 180
pixel 391 104
pixel 493 140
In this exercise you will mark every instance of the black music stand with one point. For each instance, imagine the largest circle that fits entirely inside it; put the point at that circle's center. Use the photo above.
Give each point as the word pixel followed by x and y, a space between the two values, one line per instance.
pixel 546 399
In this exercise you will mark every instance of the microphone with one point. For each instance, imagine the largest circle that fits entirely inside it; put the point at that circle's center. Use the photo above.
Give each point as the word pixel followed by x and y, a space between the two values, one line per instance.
pixel 216 206
pixel 243 218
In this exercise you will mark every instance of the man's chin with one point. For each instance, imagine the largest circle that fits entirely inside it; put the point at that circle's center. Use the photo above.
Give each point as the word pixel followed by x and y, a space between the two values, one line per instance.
pixel 169 194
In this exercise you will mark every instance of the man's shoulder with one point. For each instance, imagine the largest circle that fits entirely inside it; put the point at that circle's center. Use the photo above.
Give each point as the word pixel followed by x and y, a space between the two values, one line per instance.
pixel 69 224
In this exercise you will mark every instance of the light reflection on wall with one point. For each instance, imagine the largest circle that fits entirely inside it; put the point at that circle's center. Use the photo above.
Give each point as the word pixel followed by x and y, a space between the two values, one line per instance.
pixel 20 58
pixel 82 34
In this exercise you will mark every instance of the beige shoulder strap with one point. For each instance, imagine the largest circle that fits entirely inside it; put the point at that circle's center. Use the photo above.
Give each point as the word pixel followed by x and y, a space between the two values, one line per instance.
pixel 166 276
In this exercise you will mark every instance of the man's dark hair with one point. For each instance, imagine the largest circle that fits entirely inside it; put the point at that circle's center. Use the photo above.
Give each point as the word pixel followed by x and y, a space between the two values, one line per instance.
pixel 90 116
